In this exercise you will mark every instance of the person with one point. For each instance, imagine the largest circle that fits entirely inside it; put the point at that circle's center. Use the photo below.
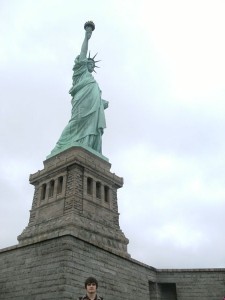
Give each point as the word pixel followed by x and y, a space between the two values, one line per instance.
pixel 91 286
pixel 87 122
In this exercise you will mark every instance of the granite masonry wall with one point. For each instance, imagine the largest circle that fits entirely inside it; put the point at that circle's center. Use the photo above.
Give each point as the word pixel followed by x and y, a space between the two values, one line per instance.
pixel 56 269
pixel 194 284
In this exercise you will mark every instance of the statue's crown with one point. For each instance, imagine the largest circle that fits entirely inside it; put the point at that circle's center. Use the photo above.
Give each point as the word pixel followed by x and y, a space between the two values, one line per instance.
pixel 93 59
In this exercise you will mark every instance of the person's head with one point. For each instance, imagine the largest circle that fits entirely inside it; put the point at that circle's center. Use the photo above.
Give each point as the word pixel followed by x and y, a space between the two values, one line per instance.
pixel 91 285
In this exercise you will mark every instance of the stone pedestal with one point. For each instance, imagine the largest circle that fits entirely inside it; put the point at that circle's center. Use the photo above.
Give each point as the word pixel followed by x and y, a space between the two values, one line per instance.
pixel 76 194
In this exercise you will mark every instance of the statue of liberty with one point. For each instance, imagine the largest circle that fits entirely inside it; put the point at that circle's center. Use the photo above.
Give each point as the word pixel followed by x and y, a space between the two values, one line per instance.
pixel 87 122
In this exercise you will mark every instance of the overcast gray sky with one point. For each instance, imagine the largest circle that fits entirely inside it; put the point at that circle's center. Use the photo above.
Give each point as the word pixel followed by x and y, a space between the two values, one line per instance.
pixel 163 73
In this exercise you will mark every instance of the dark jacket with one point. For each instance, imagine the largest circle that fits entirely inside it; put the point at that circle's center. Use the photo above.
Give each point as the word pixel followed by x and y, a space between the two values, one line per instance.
pixel 86 298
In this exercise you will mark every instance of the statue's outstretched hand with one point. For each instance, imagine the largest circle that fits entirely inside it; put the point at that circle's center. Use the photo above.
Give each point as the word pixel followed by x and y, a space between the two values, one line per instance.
pixel 88 32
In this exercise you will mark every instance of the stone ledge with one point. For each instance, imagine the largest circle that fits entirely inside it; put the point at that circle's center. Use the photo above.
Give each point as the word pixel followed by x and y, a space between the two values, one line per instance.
pixel 90 231
pixel 191 270
pixel 77 155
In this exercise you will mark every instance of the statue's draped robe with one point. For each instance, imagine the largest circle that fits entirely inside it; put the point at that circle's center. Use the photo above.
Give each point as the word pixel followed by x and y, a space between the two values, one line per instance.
pixel 87 121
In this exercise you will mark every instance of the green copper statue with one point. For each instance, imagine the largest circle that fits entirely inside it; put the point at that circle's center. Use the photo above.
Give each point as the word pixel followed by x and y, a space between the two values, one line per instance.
pixel 87 122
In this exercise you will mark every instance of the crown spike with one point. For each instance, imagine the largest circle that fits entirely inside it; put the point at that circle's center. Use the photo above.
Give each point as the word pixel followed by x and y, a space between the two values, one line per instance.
pixel 94 56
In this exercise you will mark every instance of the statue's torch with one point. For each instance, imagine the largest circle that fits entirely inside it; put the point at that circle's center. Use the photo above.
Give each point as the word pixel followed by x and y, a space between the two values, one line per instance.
pixel 89 24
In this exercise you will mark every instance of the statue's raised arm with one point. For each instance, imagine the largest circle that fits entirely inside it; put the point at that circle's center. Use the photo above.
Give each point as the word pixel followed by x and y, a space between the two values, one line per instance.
pixel 87 122
pixel 88 33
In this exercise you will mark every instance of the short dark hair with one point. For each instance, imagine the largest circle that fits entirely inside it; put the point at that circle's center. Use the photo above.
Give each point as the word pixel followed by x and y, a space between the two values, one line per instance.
pixel 91 280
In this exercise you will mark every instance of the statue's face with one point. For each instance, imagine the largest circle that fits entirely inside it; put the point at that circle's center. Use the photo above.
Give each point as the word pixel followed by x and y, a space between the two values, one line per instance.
pixel 90 66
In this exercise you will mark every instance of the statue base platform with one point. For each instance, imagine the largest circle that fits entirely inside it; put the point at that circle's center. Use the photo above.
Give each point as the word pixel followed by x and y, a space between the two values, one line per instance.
pixel 89 149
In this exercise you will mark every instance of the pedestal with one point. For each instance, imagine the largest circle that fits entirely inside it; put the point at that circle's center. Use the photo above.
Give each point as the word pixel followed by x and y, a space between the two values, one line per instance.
pixel 76 194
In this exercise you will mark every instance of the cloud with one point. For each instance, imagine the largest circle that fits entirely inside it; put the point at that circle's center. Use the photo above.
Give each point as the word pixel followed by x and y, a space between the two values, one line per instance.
pixel 174 201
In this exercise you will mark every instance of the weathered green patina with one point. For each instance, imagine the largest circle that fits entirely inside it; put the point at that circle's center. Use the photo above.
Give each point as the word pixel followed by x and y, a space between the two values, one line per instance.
pixel 87 122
